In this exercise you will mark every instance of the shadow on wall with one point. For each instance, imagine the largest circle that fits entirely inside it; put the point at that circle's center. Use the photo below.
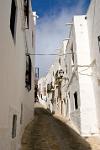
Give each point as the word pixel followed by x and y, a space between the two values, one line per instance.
pixel 47 129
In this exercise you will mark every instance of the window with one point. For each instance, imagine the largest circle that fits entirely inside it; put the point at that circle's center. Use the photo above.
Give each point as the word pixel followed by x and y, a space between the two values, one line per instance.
pixel 32 38
pixel 72 53
pixel 28 72
pixel 13 18
pixel 99 42
pixel 26 12
pixel 48 88
pixel 98 80
pixel 36 91
pixel 59 61
pixel 76 102
pixel 39 90
pixel 44 91
pixel 69 94
pixel 14 126
pixel 41 96
pixel 21 115
pixel 66 69
pixel 36 72
pixel 59 91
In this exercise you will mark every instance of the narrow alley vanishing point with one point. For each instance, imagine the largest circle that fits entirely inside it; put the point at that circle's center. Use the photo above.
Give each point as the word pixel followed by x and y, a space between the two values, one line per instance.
pixel 49 133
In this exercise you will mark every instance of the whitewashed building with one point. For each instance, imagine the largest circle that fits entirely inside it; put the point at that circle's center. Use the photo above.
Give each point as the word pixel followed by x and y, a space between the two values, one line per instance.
pixel 17 37
pixel 74 77
pixel 56 82
pixel 72 91
pixel 50 82
pixel 79 89
pixel 93 23
pixel 63 68
pixel 42 91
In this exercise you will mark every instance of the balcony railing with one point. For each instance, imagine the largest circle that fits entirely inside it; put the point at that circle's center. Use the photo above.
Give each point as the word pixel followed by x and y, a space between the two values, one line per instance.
pixel 28 73
pixel 59 76
pixel 50 87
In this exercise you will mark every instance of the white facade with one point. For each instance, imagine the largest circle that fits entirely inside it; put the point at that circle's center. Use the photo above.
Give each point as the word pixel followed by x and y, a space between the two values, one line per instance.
pixel 49 94
pixel 73 93
pixel 82 100
pixel 42 91
pixel 93 22
pixel 62 58
pixel 16 102
pixel 50 87
pixel 56 93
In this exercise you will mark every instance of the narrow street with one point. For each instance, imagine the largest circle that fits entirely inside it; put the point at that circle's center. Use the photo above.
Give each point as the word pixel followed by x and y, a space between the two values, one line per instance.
pixel 49 133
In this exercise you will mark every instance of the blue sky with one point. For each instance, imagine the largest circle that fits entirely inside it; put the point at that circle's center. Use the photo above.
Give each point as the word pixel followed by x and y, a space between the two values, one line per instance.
pixel 48 7
pixel 51 29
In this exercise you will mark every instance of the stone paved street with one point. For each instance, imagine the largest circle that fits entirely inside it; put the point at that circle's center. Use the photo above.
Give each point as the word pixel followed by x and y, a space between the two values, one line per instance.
pixel 49 133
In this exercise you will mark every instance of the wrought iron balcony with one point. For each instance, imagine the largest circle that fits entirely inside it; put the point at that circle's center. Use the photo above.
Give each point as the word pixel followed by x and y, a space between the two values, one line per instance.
pixel 59 76
pixel 50 87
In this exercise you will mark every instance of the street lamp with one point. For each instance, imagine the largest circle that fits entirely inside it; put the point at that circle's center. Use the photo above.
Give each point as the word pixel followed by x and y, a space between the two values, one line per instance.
pixel 61 73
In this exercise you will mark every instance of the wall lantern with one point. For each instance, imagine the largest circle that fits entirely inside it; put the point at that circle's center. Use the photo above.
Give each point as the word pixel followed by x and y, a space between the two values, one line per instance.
pixel 61 73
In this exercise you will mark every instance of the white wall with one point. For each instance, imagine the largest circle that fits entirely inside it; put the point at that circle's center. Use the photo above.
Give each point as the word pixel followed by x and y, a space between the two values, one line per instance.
pixel 80 79
pixel 12 77
pixel 72 83
pixel 93 21
pixel 49 79
pixel 29 96
pixel 87 98
pixel 41 86
pixel 63 83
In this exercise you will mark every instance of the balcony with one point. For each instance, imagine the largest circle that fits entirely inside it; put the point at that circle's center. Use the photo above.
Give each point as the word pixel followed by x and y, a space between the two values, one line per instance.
pixel 50 88
pixel 59 76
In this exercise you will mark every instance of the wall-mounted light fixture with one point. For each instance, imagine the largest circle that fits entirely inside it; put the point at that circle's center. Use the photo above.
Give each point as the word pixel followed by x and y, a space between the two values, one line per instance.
pixel 61 73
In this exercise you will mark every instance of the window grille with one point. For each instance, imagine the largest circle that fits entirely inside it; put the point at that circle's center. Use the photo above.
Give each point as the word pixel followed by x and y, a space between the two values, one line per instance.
pixel 13 18
pixel 14 126
pixel 28 72
pixel 21 115
pixel 72 53
pixel 76 101
pixel 99 42
pixel 26 12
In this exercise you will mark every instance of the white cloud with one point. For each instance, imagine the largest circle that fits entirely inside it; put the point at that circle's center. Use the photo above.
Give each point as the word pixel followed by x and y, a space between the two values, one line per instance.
pixel 51 30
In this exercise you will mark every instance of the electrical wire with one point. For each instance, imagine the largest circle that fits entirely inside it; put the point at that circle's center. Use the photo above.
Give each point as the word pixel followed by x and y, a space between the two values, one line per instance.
pixel 86 74
pixel 85 69
pixel 49 54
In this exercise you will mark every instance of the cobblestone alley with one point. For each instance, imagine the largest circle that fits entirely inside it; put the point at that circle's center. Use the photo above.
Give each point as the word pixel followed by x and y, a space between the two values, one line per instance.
pixel 49 133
